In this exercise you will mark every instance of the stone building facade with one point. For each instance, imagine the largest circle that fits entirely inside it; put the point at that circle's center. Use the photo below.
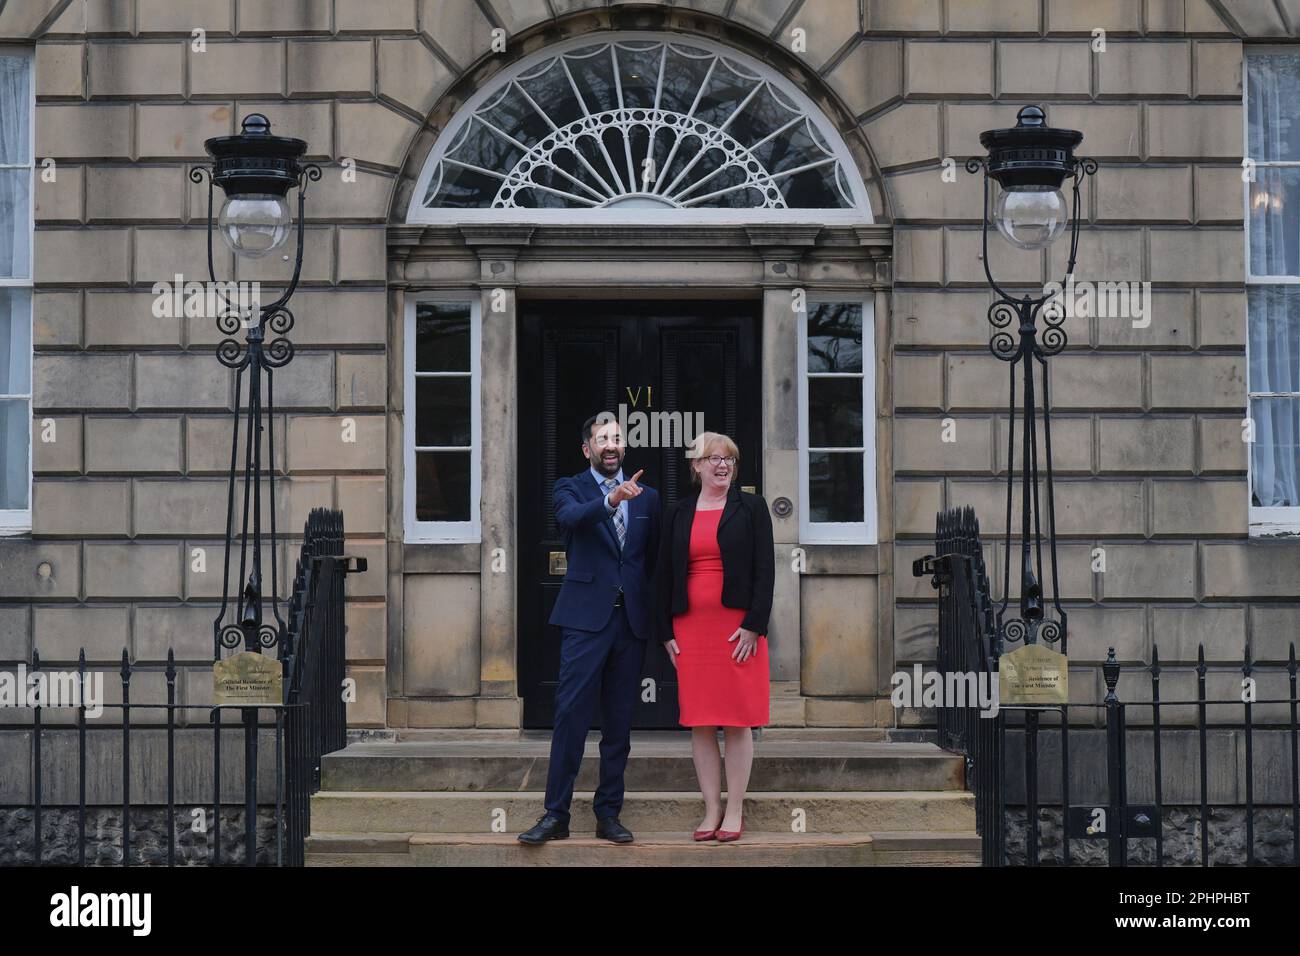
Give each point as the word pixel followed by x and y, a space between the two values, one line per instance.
pixel 127 496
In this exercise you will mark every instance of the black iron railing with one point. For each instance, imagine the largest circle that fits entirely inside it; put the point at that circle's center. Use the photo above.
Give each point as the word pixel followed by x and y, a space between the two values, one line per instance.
pixel 314 662
pixel 310 722
pixel 1015 766
pixel 967 645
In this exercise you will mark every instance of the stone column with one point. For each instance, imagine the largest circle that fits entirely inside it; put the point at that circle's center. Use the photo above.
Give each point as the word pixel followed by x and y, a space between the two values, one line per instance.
pixel 782 249
pixel 781 470
pixel 499 704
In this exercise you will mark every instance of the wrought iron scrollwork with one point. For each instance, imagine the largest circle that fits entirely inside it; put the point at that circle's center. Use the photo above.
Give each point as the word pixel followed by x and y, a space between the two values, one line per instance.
pixel 280 321
pixel 1003 343
pixel 228 323
pixel 232 354
pixel 231 636
pixel 1051 632
pixel 279 351
pixel 1053 339
pixel 1014 630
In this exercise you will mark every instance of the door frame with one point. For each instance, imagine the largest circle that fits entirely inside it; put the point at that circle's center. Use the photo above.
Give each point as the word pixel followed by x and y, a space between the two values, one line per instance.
pixel 530 525
pixel 465 673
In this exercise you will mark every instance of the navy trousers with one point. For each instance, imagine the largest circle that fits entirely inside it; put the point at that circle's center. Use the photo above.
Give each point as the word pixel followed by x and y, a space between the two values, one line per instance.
pixel 594 666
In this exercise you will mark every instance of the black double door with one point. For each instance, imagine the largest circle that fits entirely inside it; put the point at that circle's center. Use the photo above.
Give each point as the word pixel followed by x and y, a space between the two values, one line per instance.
pixel 577 359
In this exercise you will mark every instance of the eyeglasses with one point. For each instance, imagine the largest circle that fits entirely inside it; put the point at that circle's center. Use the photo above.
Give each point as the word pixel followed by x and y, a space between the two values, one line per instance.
pixel 716 460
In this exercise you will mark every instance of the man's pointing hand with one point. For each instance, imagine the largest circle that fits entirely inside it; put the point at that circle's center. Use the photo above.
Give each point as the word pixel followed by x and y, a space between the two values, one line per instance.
pixel 628 489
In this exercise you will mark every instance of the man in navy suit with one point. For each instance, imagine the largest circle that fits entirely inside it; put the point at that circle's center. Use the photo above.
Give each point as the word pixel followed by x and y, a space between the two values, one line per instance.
pixel 611 538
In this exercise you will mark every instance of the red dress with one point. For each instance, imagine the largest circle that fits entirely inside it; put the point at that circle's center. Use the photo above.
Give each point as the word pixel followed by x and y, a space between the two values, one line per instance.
pixel 712 688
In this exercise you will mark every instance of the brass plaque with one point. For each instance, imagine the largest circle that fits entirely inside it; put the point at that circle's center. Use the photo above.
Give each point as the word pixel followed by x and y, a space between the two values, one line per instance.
pixel 559 562
pixel 1033 674
pixel 248 678
pixel 749 489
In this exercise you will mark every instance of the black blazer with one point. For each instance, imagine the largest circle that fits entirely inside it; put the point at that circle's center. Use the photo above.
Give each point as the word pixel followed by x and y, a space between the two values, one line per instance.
pixel 748 561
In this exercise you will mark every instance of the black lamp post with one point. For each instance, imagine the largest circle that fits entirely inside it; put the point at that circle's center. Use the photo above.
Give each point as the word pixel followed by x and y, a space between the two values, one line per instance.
pixel 1029 164
pixel 256 171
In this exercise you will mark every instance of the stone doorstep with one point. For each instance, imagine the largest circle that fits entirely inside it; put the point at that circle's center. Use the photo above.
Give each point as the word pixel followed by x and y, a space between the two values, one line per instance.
pixel 379 813
pixel 912 840
pixel 788 710
pixel 655 764
pixel 537 743
pixel 756 848
pixel 819 734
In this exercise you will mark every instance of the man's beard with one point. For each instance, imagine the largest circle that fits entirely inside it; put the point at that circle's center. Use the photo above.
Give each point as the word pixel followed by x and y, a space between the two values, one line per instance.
pixel 608 470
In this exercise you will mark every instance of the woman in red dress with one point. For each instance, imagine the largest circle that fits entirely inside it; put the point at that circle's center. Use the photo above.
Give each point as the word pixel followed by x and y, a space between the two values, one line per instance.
pixel 715 577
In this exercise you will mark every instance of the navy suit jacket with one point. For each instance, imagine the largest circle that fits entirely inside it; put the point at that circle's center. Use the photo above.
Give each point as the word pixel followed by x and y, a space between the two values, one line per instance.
pixel 597 568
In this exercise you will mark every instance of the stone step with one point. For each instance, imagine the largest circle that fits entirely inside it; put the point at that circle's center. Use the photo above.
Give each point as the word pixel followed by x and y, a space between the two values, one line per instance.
pixel 655 811
pixel 927 848
pixel 660 763
pixel 466 735
pixel 755 848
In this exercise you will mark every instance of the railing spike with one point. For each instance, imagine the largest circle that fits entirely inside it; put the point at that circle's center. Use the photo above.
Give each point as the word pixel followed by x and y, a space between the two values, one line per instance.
pixel 1110 672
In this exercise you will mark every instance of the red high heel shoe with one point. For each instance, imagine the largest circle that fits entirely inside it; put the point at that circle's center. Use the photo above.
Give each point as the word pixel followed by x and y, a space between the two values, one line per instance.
pixel 699 836
pixel 730 836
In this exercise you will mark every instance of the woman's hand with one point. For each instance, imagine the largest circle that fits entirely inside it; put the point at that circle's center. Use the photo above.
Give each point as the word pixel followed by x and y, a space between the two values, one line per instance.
pixel 745 649
pixel 673 650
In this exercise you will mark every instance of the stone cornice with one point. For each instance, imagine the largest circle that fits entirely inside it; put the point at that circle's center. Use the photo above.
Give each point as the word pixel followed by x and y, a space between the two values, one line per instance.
pixel 504 235
pixel 785 237
pixel 877 239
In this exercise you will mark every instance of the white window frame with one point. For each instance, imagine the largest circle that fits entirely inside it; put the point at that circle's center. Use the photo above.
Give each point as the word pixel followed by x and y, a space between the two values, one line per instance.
pixel 1263 521
pixel 443 532
pixel 841 532
pixel 860 214
pixel 15 521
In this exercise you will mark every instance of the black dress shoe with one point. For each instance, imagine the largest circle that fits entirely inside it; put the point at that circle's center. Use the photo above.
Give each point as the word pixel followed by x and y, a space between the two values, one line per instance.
pixel 548 827
pixel 608 828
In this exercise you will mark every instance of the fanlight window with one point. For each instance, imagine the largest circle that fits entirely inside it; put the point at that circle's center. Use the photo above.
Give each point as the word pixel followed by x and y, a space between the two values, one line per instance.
pixel 641 125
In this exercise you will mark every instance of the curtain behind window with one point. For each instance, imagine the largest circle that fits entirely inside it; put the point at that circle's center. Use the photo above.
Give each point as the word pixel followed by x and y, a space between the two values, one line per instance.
pixel 1275 367
pixel 15 150
pixel 1273 104
pixel 15 264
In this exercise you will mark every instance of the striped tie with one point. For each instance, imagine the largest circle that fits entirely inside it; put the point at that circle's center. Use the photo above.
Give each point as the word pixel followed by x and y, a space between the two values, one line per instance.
pixel 610 485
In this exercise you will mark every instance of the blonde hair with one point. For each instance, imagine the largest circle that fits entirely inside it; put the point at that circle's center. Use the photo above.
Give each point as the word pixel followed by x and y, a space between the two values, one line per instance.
pixel 700 446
